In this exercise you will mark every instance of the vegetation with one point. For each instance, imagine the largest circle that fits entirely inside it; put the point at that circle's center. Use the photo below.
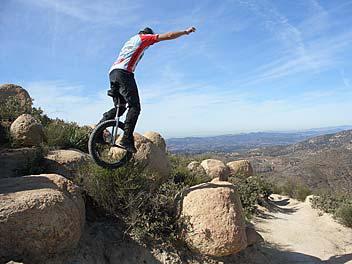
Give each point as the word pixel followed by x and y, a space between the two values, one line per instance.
pixel 293 189
pixel 344 214
pixel 13 108
pixel 32 165
pixel 253 190
pixel 147 210
pixel 180 173
pixel 338 204
pixel 61 134
pixel 4 133
pixel 58 133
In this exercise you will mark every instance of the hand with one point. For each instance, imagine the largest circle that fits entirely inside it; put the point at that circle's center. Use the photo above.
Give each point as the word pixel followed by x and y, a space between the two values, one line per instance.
pixel 190 30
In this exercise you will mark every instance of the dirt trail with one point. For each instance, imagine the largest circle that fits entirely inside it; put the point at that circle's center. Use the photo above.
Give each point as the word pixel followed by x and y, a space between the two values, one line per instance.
pixel 295 233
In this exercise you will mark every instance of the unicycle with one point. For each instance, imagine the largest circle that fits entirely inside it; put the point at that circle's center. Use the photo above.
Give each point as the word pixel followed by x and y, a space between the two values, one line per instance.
pixel 102 144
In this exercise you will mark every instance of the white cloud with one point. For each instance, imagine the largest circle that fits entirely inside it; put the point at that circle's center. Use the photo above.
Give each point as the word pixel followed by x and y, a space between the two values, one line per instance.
pixel 103 11
pixel 177 105
pixel 278 25
pixel 209 112
pixel 68 101
pixel 306 48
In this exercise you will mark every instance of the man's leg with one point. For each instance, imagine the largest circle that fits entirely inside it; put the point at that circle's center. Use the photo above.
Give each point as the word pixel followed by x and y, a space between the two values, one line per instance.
pixel 117 98
pixel 108 115
pixel 128 89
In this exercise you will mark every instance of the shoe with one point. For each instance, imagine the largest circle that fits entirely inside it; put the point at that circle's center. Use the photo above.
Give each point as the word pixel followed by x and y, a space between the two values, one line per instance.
pixel 127 145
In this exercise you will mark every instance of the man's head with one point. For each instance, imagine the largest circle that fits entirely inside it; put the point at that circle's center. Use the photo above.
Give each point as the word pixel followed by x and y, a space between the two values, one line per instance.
pixel 147 30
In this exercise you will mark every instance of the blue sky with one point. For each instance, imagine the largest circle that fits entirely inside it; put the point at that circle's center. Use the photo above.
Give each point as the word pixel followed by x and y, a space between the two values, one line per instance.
pixel 251 66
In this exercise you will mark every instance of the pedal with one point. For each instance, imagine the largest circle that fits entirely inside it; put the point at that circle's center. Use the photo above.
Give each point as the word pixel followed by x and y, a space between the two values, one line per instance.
pixel 119 146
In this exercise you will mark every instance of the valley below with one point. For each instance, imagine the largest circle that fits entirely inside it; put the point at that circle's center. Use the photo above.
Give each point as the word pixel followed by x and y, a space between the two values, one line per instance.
pixel 322 162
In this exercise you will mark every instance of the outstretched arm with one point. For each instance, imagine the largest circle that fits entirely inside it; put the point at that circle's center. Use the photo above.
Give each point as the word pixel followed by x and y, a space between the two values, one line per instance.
pixel 175 34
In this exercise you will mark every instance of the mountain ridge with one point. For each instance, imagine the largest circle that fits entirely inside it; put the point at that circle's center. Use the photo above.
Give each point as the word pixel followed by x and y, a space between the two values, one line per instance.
pixel 321 162
pixel 245 141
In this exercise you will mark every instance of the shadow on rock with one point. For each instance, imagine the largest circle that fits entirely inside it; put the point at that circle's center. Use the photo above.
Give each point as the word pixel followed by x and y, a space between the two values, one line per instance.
pixel 19 184
pixel 105 242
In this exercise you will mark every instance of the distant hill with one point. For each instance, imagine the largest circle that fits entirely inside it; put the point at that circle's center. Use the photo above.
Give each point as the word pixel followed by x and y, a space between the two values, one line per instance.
pixel 244 141
pixel 322 162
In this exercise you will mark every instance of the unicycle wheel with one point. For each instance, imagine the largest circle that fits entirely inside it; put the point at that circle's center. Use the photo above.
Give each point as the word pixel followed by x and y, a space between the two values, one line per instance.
pixel 103 151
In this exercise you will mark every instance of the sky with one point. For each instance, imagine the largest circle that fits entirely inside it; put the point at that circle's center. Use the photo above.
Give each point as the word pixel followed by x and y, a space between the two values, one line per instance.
pixel 252 65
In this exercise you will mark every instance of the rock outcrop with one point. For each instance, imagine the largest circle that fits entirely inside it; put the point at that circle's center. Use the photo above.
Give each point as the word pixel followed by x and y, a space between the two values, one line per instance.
pixel 65 162
pixel 26 131
pixel 40 215
pixel 240 168
pixel 148 155
pixel 15 162
pixel 196 167
pixel 215 169
pixel 12 90
pixel 157 139
pixel 214 219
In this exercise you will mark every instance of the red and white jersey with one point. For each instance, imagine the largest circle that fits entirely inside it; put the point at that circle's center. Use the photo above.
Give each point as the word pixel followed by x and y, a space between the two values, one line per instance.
pixel 132 51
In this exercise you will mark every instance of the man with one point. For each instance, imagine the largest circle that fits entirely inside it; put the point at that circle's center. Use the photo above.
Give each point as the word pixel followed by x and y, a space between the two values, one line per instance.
pixel 123 84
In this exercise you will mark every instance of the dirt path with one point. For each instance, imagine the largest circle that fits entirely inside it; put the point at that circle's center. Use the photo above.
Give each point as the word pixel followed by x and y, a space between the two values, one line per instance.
pixel 295 233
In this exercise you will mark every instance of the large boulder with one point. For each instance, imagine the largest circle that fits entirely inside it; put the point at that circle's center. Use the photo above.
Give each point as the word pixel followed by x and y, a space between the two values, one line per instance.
pixel 17 162
pixel 148 155
pixel 215 169
pixel 212 213
pixel 240 168
pixel 65 162
pixel 40 215
pixel 196 168
pixel 12 90
pixel 27 131
pixel 157 139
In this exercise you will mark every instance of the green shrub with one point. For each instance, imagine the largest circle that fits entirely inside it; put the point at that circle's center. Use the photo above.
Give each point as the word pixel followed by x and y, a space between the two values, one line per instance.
pixel 179 160
pixel 148 211
pixel 32 165
pixel 344 214
pixel 66 135
pixel 12 108
pixel 326 202
pixel 38 114
pixel 337 204
pixel 293 189
pixel 4 134
pixel 181 174
pixel 253 190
